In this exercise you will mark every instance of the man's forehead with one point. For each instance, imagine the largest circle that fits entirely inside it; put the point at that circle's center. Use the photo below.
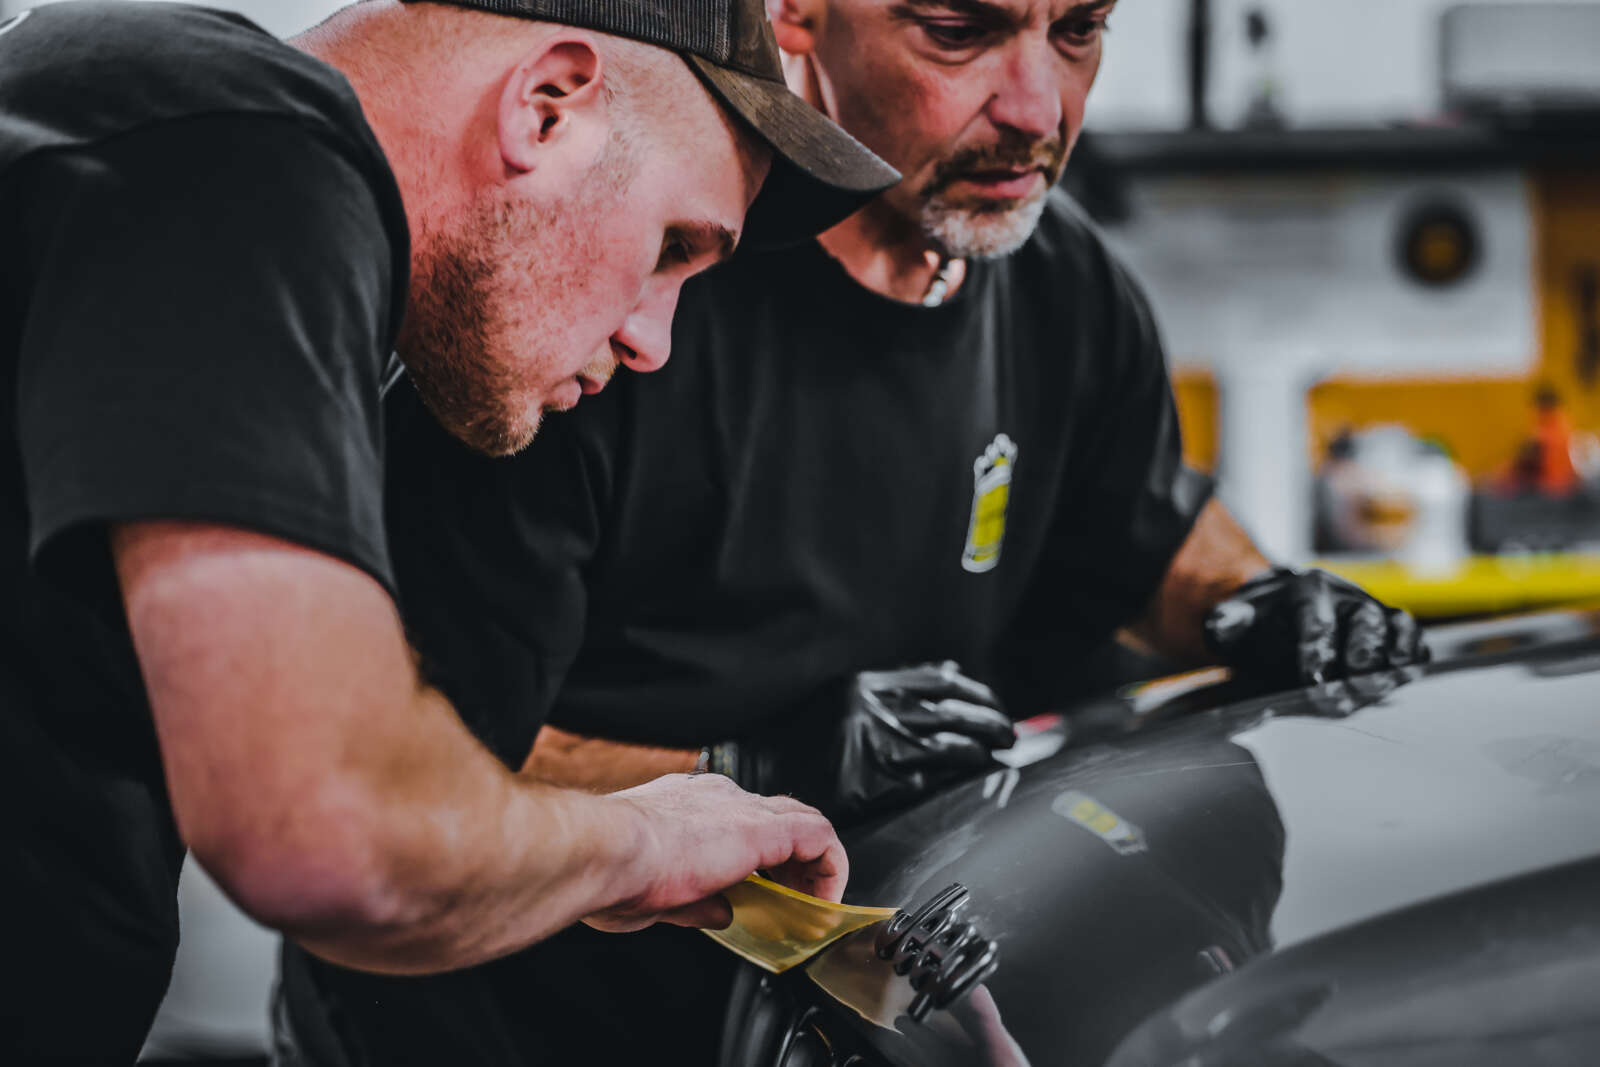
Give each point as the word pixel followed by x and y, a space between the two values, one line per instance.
pixel 713 197
pixel 1008 10
pixel 754 155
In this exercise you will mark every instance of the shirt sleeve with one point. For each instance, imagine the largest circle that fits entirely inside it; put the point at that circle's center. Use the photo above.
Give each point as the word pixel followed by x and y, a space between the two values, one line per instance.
pixel 210 302
pixel 494 558
pixel 1134 499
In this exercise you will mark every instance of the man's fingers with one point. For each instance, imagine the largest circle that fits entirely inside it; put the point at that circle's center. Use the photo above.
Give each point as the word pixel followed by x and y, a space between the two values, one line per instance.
pixel 933 681
pixel 813 860
pixel 1229 622
pixel 1371 688
pixel 959 687
pixel 1405 639
pixel 801 848
pixel 712 913
pixel 944 750
pixel 1317 630
pixel 987 725
pixel 1310 627
pixel 613 923
pixel 1365 636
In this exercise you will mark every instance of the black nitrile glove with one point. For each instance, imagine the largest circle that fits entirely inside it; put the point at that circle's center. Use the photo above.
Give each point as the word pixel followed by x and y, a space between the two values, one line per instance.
pixel 903 733
pixel 1294 628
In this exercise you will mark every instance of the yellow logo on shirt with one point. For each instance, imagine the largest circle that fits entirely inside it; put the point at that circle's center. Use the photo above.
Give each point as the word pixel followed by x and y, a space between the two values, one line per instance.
pixel 991 494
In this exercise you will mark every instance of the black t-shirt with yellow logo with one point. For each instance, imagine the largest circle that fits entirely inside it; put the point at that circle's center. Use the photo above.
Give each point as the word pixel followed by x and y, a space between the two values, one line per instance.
pixel 820 481
pixel 203 261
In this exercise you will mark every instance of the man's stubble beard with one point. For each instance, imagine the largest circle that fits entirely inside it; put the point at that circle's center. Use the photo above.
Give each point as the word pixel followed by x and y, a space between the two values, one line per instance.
pixel 455 341
pixel 965 232
pixel 994 229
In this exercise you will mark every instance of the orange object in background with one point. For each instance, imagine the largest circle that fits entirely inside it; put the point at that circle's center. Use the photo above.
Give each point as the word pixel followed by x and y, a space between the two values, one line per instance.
pixel 1557 475
pixel 1544 463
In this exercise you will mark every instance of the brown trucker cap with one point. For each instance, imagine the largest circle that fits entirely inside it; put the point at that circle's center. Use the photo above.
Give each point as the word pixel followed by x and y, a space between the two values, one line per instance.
pixel 820 174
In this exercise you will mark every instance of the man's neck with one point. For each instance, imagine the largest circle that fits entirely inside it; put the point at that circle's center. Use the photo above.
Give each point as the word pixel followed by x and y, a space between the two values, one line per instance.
pixel 877 246
pixel 886 255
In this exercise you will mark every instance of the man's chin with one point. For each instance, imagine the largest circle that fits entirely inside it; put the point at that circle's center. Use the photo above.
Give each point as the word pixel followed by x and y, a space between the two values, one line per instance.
pixel 497 438
pixel 983 228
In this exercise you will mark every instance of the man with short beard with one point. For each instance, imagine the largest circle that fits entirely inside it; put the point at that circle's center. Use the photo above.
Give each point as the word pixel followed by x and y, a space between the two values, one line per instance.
pixel 208 236
pixel 942 433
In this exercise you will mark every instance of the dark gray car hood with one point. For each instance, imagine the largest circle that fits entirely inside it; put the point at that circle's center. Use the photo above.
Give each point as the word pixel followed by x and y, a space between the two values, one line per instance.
pixel 1185 850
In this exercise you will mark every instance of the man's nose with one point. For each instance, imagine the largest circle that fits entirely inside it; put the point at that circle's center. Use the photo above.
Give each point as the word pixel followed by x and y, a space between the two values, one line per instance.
pixel 1029 96
pixel 646 334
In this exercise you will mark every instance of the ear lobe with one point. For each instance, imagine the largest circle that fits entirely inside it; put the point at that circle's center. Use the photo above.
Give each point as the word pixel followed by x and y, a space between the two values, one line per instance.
pixel 796 24
pixel 546 95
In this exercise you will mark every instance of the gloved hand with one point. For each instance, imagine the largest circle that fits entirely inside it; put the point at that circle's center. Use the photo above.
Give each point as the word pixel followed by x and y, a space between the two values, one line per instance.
pixel 902 734
pixel 1295 628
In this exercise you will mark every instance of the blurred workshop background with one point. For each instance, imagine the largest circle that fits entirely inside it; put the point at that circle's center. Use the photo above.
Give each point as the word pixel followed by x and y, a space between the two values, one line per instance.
pixel 1371 231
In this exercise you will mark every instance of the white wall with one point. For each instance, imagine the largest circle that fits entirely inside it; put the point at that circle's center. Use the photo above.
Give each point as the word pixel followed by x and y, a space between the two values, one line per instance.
pixel 1338 62
pixel 282 17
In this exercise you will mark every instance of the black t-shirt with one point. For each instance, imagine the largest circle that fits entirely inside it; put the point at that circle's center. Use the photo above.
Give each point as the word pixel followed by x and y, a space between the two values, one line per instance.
pixel 203 262
pixel 820 481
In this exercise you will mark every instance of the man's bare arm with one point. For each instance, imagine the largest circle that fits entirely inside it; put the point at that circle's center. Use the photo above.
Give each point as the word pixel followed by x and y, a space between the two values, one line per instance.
pixel 339 800
pixel 597 765
pixel 1215 559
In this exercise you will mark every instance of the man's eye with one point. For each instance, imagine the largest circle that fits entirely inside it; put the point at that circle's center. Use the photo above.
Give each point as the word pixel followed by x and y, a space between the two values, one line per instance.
pixel 954 35
pixel 674 253
pixel 1083 31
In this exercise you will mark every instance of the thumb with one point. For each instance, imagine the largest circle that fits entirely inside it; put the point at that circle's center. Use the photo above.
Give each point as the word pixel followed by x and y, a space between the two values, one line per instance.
pixel 1228 622
pixel 712 913
pixel 943 750
pixel 1317 629
pixel 984 724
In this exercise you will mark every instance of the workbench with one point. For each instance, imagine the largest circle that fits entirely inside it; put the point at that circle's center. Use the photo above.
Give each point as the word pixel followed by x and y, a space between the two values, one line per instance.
pixel 1480 585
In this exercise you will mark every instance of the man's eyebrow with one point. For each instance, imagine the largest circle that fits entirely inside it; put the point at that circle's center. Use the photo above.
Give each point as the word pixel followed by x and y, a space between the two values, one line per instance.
pixel 991 11
pixel 705 237
pixel 983 9
pixel 1088 7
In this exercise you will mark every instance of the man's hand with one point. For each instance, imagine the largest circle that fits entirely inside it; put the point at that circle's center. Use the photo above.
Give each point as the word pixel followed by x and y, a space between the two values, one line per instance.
pixel 902 734
pixel 703 833
pixel 336 798
pixel 1293 627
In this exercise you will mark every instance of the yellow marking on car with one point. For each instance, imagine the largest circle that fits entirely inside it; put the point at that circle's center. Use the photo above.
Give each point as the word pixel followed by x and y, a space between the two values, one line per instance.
pixel 1126 838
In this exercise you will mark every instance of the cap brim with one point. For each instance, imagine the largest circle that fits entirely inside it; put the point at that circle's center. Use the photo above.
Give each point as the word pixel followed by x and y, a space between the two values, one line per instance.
pixel 820 174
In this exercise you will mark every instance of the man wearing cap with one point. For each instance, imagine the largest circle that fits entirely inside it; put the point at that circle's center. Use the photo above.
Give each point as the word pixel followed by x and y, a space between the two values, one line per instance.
pixel 212 243
pixel 942 433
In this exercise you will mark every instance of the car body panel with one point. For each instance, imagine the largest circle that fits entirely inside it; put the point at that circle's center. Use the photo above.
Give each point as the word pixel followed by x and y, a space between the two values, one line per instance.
pixel 1186 849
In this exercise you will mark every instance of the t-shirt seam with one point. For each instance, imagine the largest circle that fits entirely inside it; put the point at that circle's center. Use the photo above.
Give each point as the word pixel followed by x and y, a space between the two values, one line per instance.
pixel 288 512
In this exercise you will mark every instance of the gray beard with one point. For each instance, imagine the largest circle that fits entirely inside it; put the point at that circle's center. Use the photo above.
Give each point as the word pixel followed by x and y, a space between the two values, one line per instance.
pixel 964 233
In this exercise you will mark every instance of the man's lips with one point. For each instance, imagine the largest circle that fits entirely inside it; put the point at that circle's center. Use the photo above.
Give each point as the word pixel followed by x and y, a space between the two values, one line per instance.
pixel 589 385
pixel 1006 182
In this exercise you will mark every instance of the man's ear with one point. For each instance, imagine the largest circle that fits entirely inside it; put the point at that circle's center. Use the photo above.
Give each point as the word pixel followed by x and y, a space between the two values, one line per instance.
pixel 554 97
pixel 797 23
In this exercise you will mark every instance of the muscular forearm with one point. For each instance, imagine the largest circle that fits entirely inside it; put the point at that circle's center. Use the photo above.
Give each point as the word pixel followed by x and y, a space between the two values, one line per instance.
pixel 595 764
pixel 337 799
pixel 1215 559
pixel 469 861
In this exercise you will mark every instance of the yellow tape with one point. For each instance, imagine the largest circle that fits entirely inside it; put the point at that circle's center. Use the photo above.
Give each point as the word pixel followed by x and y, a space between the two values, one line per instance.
pixel 775 927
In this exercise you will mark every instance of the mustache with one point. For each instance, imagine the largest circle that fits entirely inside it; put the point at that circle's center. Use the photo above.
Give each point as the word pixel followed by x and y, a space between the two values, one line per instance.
pixel 601 368
pixel 1015 153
